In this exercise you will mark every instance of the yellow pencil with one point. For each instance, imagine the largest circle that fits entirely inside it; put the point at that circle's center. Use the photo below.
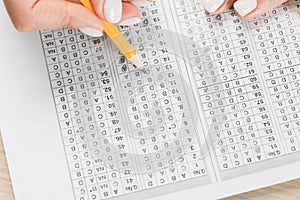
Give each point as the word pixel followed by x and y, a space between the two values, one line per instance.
pixel 117 37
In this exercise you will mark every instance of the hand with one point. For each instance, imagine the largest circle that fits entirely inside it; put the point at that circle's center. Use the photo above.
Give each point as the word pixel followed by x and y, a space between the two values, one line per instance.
pixel 32 15
pixel 246 9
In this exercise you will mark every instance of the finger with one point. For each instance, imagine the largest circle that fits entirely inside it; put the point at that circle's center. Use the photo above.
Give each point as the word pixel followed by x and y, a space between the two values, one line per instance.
pixel 75 1
pixel 249 9
pixel 52 14
pixel 216 6
pixel 130 14
pixel 110 10
pixel 140 3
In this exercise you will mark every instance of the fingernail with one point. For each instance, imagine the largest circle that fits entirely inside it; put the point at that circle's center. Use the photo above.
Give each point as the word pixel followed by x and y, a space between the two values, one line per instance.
pixel 140 3
pixel 130 21
pixel 212 5
pixel 112 10
pixel 91 32
pixel 244 7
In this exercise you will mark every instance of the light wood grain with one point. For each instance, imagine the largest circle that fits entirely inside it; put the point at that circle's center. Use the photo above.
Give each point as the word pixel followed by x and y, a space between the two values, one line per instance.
pixel 6 191
pixel 286 191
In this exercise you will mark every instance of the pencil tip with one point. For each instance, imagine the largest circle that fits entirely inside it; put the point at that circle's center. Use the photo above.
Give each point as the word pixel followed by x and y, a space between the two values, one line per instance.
pixel 136 61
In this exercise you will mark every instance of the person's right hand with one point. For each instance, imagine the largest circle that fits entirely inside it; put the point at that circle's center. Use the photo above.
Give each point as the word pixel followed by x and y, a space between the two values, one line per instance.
pixel 32 15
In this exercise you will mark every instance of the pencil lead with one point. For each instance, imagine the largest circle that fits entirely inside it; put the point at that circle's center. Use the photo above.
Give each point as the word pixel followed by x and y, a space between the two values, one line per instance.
pixel 136 61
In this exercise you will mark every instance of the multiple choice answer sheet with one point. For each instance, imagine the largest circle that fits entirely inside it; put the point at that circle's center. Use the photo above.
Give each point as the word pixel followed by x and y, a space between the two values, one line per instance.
pixel 218 98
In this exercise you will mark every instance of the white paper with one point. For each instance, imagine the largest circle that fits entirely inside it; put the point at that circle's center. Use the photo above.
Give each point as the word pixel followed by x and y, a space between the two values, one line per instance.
pixel 211 87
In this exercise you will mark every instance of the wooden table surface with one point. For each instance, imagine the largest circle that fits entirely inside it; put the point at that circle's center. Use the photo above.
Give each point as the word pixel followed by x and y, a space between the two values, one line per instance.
pixel 6 192
pixel 286 191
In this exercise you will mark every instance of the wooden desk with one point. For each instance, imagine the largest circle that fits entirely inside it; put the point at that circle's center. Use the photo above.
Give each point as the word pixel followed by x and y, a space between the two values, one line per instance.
pixel 6 192
pixel 286 191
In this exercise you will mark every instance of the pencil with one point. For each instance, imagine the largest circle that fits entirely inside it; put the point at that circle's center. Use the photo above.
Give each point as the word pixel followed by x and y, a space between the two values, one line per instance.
pixel 117 38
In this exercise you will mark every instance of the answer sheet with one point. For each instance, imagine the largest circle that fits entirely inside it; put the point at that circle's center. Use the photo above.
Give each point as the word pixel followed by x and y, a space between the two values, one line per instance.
pixel 214 112
pixel 127 130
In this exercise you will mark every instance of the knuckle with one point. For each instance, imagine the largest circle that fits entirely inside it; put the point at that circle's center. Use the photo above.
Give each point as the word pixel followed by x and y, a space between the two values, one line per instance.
pixel 66 19
pixel 22 24
pixel 23 21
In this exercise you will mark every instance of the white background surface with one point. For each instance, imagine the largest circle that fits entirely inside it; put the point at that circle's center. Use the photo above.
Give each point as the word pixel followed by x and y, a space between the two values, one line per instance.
pixel 27 118
pixel 32 138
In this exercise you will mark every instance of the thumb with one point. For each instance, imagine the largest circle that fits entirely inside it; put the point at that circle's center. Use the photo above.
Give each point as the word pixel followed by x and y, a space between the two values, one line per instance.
pixel 52 14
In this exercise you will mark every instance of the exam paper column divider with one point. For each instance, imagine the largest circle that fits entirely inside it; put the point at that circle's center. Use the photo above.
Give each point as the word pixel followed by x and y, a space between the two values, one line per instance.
pixel 203 134
pixel 190 98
